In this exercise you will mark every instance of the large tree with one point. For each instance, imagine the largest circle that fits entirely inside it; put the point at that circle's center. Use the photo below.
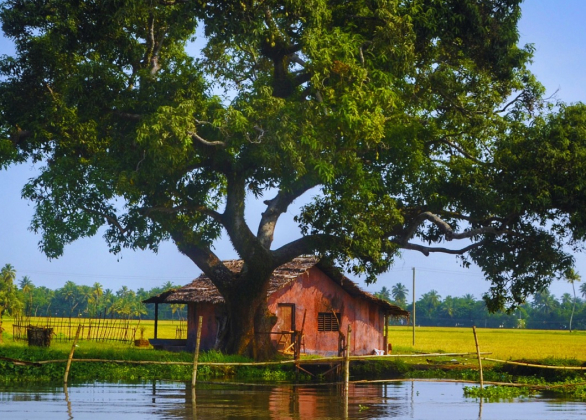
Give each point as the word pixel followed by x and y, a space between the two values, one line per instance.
pixel 412 122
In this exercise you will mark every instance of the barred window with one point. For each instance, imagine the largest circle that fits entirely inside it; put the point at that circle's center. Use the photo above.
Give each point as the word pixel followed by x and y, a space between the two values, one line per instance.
pixel 328 321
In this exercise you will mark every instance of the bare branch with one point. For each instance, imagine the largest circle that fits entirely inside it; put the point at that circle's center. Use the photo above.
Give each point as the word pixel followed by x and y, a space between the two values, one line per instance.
pixel 258 139
pixel 459 149
pixel 128 116
pixel 155 65
pixel 510 103
pixel 204 141
pixel 172 2
pixel 141 161
pixel 151 41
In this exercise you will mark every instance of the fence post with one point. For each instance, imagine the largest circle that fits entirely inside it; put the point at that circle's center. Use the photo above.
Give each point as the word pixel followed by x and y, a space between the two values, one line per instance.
pixel 70 358
pixel 479 359
pixel 347 361
pixel 196 356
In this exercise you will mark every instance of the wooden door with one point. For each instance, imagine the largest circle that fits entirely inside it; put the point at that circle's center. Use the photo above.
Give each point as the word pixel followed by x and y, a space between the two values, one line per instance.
pixel 285 325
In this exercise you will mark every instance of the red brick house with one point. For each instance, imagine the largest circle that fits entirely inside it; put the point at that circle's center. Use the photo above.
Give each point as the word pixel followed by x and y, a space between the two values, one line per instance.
pixel 309 299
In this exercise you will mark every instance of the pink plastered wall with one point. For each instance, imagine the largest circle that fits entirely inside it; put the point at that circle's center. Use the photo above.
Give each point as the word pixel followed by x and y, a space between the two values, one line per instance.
pixel 315 292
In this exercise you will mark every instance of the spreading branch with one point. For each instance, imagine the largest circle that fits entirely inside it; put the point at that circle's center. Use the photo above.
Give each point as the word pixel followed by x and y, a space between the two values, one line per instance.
pixel 426 250
pixel 112 220
pixel 277 206
pixel 206 260
pixel 245 243
pixel 447 230
pixel 305 245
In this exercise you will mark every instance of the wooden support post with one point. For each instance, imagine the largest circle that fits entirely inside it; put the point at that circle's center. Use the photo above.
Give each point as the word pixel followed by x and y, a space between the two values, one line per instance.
pixel 413 311
pixel 479 359
pixel 156 318
pixel 296 352
pixel 196 356
pixel 385 333
pixel 347 361
pixel 70 358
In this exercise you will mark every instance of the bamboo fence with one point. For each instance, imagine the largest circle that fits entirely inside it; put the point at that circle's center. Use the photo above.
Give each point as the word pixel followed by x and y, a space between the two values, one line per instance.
pixel 64 329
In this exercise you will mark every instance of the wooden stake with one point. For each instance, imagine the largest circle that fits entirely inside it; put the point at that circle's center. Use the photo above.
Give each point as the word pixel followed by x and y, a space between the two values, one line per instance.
pixel 479 358
pixel 347 361
pixel 196 356
pixel 70 358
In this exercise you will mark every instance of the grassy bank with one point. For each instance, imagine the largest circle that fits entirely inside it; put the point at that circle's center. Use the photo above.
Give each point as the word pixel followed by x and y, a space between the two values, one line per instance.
pixel 546 347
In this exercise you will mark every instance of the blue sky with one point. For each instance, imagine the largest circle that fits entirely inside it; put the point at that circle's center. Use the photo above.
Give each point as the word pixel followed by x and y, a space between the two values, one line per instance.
pixel 555 27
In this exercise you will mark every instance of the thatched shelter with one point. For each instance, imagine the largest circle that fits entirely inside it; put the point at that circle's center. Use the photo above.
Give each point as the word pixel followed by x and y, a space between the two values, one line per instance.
pixel 314 303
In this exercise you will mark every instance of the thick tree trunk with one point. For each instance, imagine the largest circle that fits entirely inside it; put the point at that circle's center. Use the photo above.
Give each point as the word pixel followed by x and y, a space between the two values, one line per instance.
pixel 249 321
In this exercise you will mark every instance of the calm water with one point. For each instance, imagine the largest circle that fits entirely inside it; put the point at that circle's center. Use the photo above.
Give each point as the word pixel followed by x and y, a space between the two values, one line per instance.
pixel 169 400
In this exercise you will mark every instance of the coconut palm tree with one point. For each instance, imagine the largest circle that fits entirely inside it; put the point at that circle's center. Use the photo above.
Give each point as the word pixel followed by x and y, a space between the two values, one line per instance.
pixel 399 292
pixel 429 302
pixel 9 301
pixel 583 290
pixel 71 295
pixel 27 287
pixel 544 302
pixel 384 294
pixel 95 299
pixel 8 274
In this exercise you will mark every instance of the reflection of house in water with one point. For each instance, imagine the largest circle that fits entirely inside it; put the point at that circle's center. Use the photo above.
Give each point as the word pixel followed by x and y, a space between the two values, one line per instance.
pixel 288 402
pixel 295 403
pixel 311 300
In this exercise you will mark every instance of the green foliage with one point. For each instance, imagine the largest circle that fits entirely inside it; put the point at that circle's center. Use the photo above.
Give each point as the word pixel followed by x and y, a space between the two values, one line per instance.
pixel 412 123
pixel 497 393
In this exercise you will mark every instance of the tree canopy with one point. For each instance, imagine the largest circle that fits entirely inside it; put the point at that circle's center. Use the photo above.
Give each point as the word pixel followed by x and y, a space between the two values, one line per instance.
pixel 415 124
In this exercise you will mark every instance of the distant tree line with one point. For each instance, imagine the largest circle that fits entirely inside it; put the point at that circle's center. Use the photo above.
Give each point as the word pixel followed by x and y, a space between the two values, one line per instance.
pixel 23 298
pixel 545 311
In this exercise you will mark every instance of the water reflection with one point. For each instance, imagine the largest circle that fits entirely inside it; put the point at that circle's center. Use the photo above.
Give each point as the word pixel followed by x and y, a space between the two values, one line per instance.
pixel 170 400
pixel 66 393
